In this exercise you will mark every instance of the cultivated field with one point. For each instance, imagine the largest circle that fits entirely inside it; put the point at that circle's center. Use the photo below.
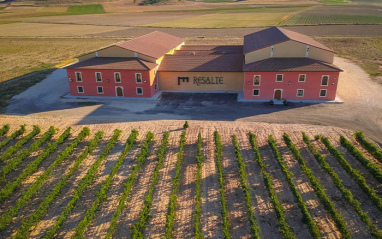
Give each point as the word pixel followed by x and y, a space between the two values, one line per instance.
pixel 207 181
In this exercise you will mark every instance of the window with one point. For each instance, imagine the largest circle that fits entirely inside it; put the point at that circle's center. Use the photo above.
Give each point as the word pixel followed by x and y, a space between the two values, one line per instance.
pixel 99 89
pixel 324 80
pixel 138 77
pixel 117 77
pixel 322 93
pixel 256 92
pixel 279 78
pixel 78 76
pixel 139 91
pixel 256 80
pixel 155 86
pixel 98 76
pixel 300 93
pixel 301 78
pixel 80 89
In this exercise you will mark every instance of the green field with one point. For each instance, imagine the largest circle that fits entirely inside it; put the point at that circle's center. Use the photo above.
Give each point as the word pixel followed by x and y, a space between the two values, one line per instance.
pixel 85 9
pixel 310 19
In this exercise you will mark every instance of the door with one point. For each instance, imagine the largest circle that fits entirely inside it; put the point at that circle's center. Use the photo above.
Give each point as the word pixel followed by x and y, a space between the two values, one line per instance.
pixel 119 91
pixel 277 95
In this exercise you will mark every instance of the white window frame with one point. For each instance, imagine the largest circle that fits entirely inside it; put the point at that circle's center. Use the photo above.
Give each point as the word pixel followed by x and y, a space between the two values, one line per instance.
pixel 115 77
pixel 326 92
pixel 101 93
pixel 78 89
pixel 298 80
pixel 97 77
pixel 322 77
pixel 75 73
pixel 253 92
pixel 136 90
pixel 136 79
pixel 259 80
pixel 303 92
pixel 116 93
pixel 282 77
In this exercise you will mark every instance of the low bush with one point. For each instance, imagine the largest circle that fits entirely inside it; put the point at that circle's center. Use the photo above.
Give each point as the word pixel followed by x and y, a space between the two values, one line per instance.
pixel 369 146
pixel 14 135
pixel 198 189
pixel 4 130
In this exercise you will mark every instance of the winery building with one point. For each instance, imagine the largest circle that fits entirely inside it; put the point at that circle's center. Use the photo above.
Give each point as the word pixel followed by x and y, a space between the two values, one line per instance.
pixel 274 63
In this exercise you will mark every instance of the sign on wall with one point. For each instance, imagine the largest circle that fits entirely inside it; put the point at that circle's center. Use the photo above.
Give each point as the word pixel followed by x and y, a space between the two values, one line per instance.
pixel 202 80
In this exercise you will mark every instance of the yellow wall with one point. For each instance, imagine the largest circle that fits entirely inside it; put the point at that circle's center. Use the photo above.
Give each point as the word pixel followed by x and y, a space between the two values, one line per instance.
pixel 321 55
pixel 258 55
pixel 232 81
pixel 171 52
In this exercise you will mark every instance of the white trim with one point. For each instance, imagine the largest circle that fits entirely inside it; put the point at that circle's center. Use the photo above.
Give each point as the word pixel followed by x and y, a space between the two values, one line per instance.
pixel 116 93
pixel 259 80
pixel 282 77
pixel 298 80
pixel 78 91
pixel 307 51
pixel 115 78
pixel 136 81
pixel 274 91
pixel 253 92
pixel 303 92
pixel 272 48
pixel 136 90
pixel 101 93
pixel 97 77
pixel 322 77
pixel 75 73
pixel 326 93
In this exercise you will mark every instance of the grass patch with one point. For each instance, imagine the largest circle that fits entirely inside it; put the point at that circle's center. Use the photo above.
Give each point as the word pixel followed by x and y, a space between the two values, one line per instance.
pixel 313 19
pixel 242 9
pixel 334 2
pixel 85 9
pixel 6 22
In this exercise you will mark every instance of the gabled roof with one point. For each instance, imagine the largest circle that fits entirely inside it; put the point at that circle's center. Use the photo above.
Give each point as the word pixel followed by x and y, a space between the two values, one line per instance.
pixel 290 64
pixel 276 35
pixel 155 44
pixel 114 63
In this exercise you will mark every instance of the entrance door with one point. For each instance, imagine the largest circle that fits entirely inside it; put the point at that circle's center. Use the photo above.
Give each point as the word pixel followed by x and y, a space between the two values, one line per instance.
pixel 277 95
pixel 119 91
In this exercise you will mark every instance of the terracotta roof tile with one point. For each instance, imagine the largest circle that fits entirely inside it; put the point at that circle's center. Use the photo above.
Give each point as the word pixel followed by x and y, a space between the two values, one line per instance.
pixel 202 63
pixel 208 50
pixel 290 64
pixel 276 35
pixel 155 44
pixel 114 63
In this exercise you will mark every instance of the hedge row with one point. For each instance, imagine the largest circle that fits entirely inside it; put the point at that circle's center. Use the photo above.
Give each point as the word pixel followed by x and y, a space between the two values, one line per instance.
pixel 306 217
pixel 255 229
pixel 198 189
pixel 369 146
pixel 12 164
pixel 144 215
pixel 4 130
pixel 171 215
pixel 355 174
pixel 13 149
pixel 28 222
pixel 6 218
pixel 347 194
pixel 101 195
pixel 280 212
pixel 318 188
pixel 33 166
pixel 86 181
pixel 14 135
pixel 224 212
pixel 370 166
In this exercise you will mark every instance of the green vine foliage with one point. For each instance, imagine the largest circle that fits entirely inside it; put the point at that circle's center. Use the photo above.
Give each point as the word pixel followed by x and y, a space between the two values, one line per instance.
pixel 306 217
pixel 171 214
pixel 198 189
pixel 280 212
pixel 4 130
pixel 319 189
pixel 13 149
pixel 355 174
pixel 347 194
pixel 224 211
pixel 369 146
pixel 144 215
pixel 370 166
pixel 101 195
pixel 86 181
pixel 23 154
pixel 14 135
pixel 6 218
pixel 27 223
pixel 255 229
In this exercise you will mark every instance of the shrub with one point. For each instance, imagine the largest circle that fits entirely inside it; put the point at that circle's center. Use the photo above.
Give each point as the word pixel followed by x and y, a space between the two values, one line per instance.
pixel 198 190
pixel 369 146
pixel 186 126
